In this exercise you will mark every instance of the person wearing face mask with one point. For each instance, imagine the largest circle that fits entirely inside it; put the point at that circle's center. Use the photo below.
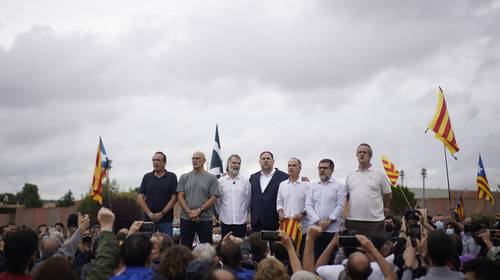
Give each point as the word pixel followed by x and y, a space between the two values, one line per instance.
pixel 390 227
pixel 234 200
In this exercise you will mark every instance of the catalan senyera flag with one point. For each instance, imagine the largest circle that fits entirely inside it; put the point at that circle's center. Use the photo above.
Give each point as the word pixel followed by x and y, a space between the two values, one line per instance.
pixel 483 188
pixel 390 170
pixel 293 229
pixel 460 208
pixel 441 125
pixel 102 165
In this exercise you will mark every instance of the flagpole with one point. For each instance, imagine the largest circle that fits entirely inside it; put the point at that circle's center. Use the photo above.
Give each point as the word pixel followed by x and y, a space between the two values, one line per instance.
pixel 447 178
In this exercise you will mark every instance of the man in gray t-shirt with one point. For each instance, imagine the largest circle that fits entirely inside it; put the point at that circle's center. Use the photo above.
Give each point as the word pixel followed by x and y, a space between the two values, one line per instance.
pixel 197 192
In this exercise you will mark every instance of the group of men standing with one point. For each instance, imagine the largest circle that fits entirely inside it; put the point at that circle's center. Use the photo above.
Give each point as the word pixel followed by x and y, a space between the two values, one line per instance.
pixel 269 195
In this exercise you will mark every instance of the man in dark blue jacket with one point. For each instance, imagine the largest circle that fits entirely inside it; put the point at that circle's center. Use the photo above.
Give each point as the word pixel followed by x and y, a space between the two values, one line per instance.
pixel 265 185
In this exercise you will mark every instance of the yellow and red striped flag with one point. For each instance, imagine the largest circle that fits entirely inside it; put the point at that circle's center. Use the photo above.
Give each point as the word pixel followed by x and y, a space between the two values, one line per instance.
pixel 293 229
pixel 441 125
pixel 390 170
pixel 102 165
pixel 483 187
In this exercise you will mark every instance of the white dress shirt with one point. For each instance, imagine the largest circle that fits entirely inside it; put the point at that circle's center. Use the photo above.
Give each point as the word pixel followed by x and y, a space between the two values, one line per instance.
pixel 234 200
pixel 326 200
pixel 292 199
pixel 265 179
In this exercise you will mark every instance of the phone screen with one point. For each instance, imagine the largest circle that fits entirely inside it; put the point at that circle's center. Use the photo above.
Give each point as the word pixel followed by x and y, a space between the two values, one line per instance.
pixel 270 235
pixel 148 227
pixel 349 242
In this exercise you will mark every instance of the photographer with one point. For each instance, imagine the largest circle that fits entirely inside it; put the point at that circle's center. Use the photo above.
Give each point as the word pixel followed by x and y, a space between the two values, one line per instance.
pixel 438 248
pixel 493 252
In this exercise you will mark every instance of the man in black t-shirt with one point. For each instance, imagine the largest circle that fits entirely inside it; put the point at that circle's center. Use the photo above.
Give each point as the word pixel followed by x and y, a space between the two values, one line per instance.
pixel 157 195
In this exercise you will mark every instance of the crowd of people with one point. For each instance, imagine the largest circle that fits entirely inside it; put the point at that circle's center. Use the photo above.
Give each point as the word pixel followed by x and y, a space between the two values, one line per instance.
pixel 346 231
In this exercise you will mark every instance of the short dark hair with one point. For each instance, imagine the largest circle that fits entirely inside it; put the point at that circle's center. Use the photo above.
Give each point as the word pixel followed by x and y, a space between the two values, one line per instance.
pixel 484 269
pixel 230 254
pixel 20 248
pixel 298 160
pixel 258 246
pixel 266 152
pixel 163 155
pixel 370 152
pixel 60 224
pixel 135 250
pixel 440 247
pixel 72 220
pixel 329 161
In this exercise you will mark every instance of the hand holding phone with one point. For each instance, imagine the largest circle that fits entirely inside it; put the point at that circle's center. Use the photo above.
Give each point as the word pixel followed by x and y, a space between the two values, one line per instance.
pixel 270 235
pixel 349 242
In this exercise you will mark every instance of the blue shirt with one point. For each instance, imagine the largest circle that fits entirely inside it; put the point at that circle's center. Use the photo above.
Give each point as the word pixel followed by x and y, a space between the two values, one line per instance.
pixel 134 273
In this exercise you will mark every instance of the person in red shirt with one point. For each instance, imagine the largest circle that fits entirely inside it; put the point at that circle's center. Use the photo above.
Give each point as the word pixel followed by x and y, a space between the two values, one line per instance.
pixel 20 251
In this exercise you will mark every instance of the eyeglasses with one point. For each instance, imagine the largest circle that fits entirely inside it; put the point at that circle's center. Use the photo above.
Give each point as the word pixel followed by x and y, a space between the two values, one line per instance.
pixel 196 158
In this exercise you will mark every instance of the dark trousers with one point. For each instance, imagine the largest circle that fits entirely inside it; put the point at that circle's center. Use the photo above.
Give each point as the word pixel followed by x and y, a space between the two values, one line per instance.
pixel 190 228
pixel 321 243
pixel 366 227
pixel 238 230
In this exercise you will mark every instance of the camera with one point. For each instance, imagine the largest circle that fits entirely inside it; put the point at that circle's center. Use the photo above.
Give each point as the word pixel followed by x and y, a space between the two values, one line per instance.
pixel 412 214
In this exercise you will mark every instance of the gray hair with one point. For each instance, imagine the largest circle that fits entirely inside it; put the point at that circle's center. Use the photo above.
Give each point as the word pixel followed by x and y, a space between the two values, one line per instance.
pixel 204 252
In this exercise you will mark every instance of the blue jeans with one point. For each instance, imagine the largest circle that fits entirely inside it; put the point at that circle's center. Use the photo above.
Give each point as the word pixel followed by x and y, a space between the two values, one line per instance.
pixel 190 228
pixel 165 228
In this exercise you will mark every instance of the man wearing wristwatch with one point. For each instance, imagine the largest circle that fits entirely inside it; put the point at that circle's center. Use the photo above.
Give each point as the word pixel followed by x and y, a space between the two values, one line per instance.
pixel 325 205
pixel 291 199
pixel 197 192
pixel 157 195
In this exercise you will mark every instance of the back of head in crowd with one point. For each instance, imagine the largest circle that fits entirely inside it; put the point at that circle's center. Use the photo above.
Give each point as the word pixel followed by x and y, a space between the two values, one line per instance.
pixel 259 247
pixel 20 249
pixel 481 269
pixel 271 269
pixel 358 266
pixel 230 253
pixel 440 248
pixel 135 250
pixel 175 261
pixel 55 268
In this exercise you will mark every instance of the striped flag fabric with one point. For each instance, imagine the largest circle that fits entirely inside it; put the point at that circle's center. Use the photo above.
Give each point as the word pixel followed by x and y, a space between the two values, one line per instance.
pixel 441 125
pixel 293 229
pixel 483 187
pixel 216 160
pixel 390 170
pixel 460 208
pixel 102 165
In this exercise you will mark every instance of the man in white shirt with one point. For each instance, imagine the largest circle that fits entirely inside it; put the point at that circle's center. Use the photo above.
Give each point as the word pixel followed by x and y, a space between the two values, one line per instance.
pixel 368 193
pixel 234 200
pixel 291 199
pixel 325 205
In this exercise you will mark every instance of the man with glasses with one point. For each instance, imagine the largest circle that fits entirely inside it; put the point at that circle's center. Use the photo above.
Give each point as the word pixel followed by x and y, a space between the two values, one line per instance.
pixel 325 205
pixel 197 192
pixel 157 194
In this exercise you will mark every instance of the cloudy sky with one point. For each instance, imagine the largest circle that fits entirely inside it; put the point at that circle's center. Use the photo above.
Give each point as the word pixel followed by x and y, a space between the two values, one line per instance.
pixel 306 79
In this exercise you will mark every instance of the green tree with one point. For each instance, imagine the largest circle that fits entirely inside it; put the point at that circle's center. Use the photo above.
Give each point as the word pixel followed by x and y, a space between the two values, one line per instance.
pixel 8 198
pixel 398 202
pixel 89 206
pixel 29 196
pixel 66 201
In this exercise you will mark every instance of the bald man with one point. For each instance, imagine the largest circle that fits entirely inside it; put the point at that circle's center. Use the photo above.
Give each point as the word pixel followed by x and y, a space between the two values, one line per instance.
pixel 197 192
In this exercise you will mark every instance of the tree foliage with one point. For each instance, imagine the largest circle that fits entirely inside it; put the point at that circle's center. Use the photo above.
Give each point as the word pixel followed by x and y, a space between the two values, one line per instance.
pixel 8 198
pixel 29 196
pixel 66 201
pixel 398 202
pixel 123 204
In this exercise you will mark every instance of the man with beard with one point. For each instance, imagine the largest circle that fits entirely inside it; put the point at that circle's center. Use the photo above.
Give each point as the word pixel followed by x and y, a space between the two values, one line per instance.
pixel 234 200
